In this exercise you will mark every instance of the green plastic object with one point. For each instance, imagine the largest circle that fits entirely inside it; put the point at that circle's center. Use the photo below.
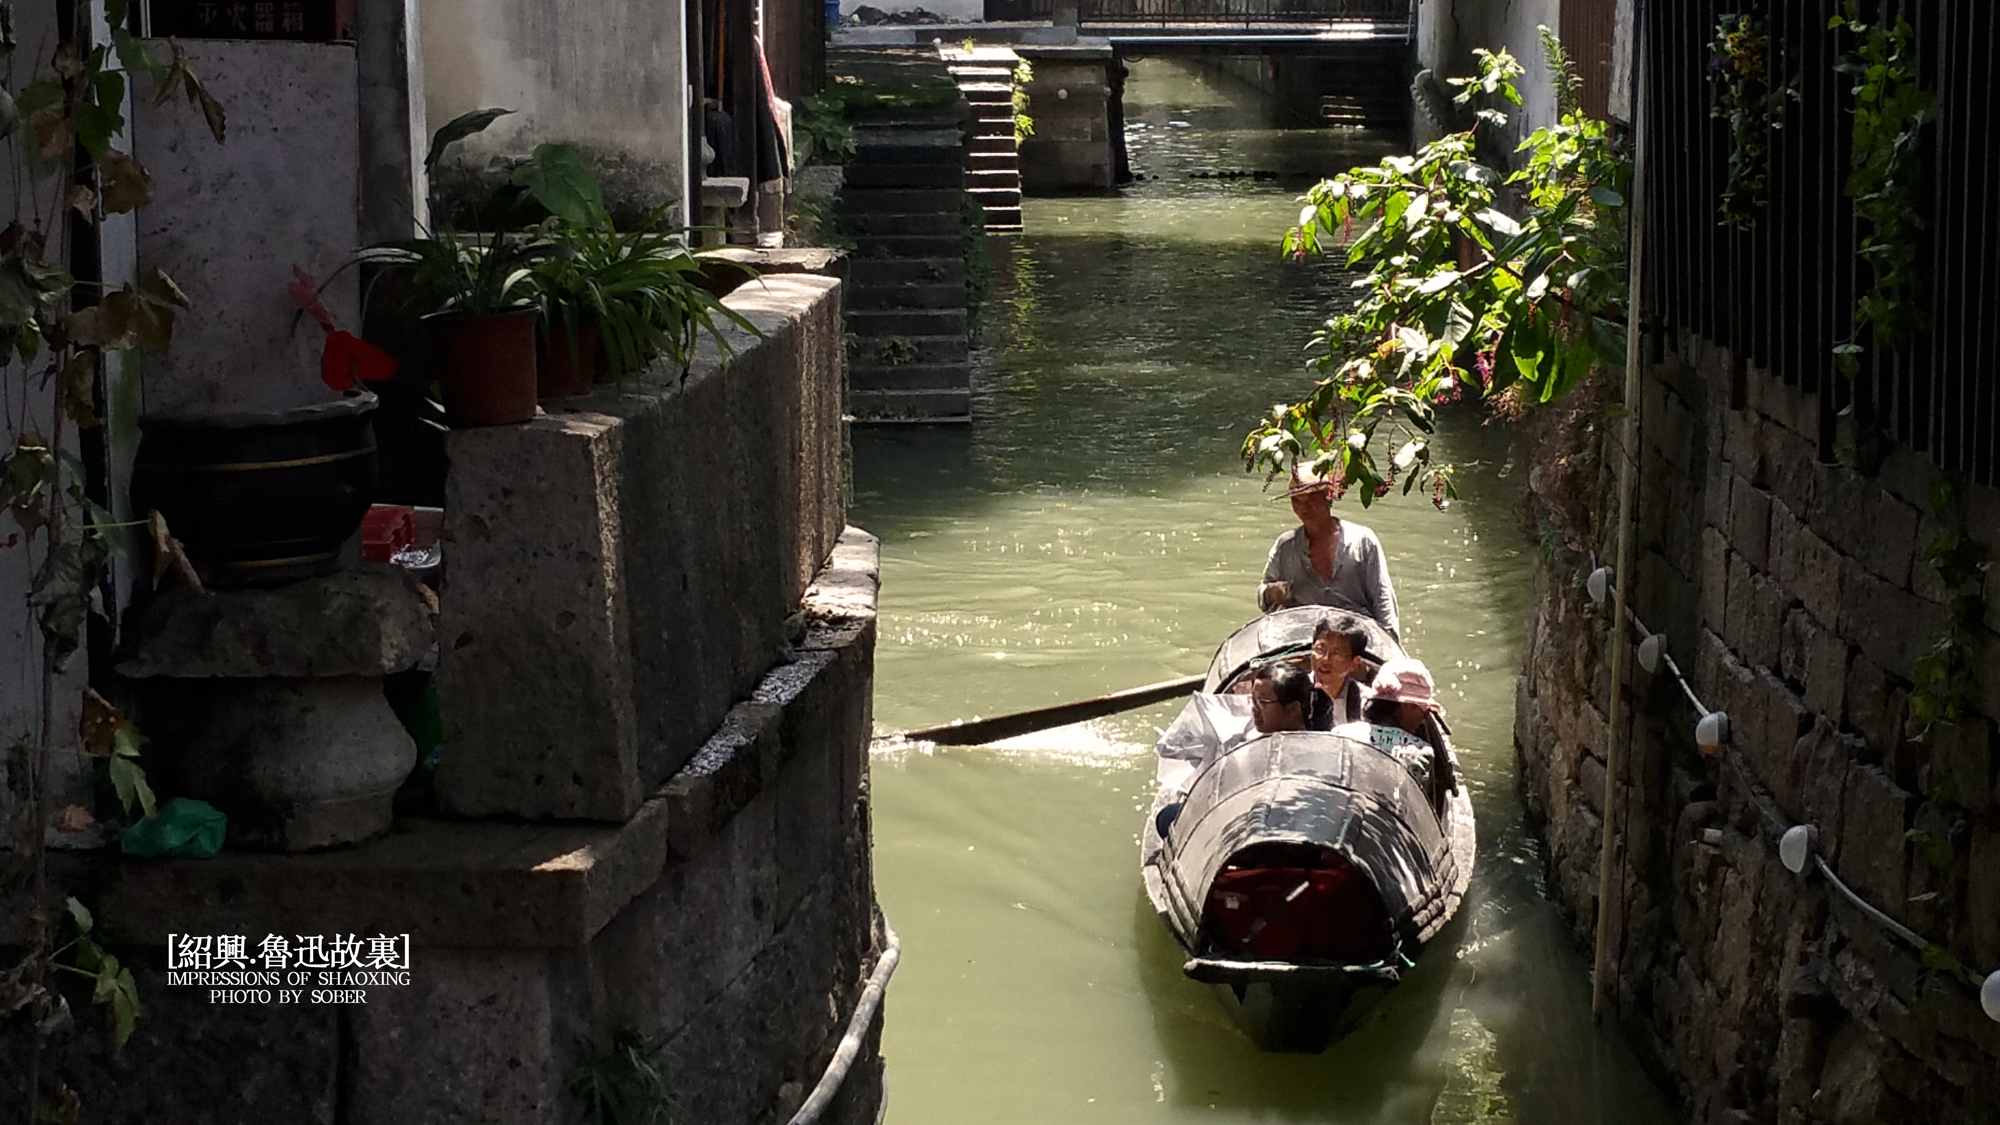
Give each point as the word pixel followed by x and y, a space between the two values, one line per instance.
pixel 181 827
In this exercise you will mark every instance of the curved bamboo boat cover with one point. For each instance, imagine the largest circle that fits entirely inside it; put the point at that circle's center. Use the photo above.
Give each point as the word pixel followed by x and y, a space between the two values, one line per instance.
pixel 1312 788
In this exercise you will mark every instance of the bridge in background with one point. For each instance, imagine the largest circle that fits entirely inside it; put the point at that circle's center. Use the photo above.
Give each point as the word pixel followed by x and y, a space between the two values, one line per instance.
pixel 1348 60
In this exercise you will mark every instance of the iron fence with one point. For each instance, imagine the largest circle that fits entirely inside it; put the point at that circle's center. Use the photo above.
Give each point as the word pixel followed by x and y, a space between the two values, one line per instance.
pixel 1208 11
pixel 1782 294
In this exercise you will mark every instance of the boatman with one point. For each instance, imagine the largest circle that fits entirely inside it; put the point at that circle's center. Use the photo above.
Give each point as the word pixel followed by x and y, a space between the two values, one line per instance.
pixel 1327 560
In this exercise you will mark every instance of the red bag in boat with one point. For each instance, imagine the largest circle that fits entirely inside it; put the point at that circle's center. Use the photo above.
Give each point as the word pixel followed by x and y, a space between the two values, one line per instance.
pixel 1298 914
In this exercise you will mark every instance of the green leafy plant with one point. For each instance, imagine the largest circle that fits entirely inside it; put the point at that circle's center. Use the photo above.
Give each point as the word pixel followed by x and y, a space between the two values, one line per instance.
pixel 1745 92
pixel 822 122
pixel 1510 285
pixel 1943 674
pixel 60 131
pixel 1024 126
pixel 626 1085
pixel 1885 177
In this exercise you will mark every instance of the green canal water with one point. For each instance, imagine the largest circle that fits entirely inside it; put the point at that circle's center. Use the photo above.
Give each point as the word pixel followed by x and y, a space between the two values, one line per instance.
pixel 1092 530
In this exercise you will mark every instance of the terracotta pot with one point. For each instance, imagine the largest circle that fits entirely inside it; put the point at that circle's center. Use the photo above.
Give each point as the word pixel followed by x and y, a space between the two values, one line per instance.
pixel 260 498
pixel 566 364
pixel 486 366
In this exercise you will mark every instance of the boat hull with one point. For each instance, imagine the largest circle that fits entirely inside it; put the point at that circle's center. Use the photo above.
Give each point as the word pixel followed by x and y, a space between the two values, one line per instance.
pixel 1415 841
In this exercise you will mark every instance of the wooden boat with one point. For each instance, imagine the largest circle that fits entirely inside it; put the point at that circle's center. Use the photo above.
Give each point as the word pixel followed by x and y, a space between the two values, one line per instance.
pixel 1302 873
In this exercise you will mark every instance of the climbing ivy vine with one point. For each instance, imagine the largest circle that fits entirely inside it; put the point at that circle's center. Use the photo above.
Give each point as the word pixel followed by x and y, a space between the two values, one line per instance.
pixel 1745 91
pixel 1944 671
pixel 1891 109
pixel 1512 285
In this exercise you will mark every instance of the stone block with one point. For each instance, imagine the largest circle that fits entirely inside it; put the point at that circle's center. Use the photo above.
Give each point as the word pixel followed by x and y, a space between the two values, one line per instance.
pixel 1717 490
pixel 1874 856
pixel 1860 519
pixel 599 555
pixel 360 622
pixel 190 1061
pixel 1825 677
pixel 1791 466
pixel 1742 450
pixel 1890 625
pixel 1804 565
pixel 1750 522
pixel 1590 784
pixel 1713 589
pixel 1982 896
pixel 1754 620
pixel 475 1036
pixel 1795 645
pixel 1958 768
pixel 1876 705
pixel 1776 724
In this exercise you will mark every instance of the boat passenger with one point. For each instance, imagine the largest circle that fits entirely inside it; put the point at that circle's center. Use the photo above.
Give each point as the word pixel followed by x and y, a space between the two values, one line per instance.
pixel 1280 693
pixel 1326 560
pixel 1400 704
pixel 1338 672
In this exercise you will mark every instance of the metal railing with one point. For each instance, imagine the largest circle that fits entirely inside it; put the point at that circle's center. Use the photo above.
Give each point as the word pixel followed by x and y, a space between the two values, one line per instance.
pixel 1397 12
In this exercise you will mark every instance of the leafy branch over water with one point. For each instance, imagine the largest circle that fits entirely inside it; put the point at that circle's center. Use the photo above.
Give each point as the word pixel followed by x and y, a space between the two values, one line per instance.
pixel 1514 284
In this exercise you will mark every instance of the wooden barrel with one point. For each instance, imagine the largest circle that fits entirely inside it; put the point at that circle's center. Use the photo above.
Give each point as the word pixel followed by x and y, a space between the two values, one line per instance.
pixel 260 499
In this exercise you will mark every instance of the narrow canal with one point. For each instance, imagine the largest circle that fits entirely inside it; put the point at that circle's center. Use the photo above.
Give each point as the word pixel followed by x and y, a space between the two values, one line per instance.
pixel 1094 530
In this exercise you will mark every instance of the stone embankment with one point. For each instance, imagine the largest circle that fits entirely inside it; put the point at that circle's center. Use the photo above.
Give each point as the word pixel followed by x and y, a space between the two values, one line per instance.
pixel 1794 593
pixel 656 671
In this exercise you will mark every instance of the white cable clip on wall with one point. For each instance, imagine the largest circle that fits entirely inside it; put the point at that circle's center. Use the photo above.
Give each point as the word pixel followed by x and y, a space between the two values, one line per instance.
pixel 1650 651
pixel 1711 732
pixel 1598 584
pixel 1795 847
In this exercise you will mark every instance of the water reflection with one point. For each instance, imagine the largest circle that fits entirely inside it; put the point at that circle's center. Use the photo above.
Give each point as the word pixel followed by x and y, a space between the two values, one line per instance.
pixel 1094 530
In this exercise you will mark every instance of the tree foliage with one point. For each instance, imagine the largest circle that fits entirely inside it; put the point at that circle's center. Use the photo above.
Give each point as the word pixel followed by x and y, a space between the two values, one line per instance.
pixel 1513 285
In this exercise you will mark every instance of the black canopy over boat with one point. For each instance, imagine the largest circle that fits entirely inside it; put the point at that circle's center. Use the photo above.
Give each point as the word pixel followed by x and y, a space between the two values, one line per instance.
pixel 1302 872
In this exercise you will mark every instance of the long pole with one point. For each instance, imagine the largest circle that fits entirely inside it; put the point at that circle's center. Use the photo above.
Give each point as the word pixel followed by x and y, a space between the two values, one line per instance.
pixel 1062 714
pixel 1608 867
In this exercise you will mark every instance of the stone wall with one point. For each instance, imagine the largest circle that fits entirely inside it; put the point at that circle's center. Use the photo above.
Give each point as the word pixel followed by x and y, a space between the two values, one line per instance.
pixel 726 921
pixel 1792 591
pixel 608 78
pixel 634 556
pixel 1070 102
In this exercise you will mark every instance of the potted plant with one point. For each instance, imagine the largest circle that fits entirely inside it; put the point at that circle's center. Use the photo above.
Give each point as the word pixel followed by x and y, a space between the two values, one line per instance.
pixel 622 297
pixel 482 326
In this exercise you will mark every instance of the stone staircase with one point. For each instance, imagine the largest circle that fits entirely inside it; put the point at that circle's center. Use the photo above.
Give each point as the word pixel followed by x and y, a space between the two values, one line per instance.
pixel 908 358
pixel 993 162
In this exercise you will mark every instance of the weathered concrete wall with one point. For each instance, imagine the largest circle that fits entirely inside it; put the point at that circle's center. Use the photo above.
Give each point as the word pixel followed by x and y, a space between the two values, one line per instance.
pixel 609 78
pixel 1070 102
pixel 1449 31
pixel 1792 592
pixel 622 569
pixel 729 923
pixel 229 223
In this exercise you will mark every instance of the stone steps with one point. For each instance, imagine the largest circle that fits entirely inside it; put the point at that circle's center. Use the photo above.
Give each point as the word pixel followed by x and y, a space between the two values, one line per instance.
pixel 992 161
pixel 902 351
pixel 902 376
pixel 905 295
pixel 900 271
pixel 869 324
pixel 859 223
pixel 934 405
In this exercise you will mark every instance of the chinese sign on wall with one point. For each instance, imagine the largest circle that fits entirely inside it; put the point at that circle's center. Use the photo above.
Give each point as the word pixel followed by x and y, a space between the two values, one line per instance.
pixel 313 20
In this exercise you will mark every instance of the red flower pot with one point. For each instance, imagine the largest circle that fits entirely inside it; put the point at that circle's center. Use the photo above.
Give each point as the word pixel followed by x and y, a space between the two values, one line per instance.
pixel 486 366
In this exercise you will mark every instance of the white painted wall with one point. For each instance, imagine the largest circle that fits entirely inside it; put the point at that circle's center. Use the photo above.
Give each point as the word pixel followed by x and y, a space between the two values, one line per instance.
pixel 1449 30
pixel 607 76
pixel 228 222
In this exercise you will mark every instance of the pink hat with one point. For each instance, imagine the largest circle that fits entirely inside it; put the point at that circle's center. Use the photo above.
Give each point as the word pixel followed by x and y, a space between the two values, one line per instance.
pixel 1403 680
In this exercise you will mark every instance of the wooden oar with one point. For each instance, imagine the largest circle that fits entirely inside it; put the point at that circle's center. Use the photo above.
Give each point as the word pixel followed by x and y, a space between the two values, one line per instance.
pixel 1062 714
